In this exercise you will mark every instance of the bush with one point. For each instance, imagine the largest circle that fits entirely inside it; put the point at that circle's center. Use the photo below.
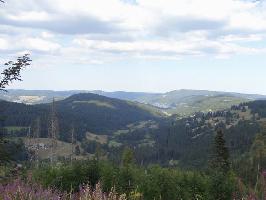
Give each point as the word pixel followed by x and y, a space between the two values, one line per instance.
pixel 19 190
pixel 68 177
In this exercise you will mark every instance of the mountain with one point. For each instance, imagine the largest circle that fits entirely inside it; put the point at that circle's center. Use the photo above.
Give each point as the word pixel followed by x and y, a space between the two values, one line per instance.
pixel 111 124
pixel 182 102
pixel 187 142
pixel 84 112
pixel 36 96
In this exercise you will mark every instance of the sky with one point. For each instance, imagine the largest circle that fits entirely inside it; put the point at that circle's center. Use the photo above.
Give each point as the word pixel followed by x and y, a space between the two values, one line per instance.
pixel 137 45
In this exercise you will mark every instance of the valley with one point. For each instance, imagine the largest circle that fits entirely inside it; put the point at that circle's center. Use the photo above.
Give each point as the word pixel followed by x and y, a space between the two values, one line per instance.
pixel 103 138
pixel 181 102
pixel 156 138
pixel 132 100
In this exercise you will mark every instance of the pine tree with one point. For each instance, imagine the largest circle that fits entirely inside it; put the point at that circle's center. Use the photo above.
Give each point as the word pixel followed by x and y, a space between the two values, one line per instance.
pixel 77 150
pixel 220 157
pixel 222 182
pixel 126 176
pixel 127 157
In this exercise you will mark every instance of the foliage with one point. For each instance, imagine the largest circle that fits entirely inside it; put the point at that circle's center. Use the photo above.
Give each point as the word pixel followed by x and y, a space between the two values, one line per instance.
pixel 13 72
pixel 220 157
pixel 149 183
pixel 182 142
pixel 73 112
pixel 12 150
pixel 68 177
pixel 221 180
pixel 253 165
pixel 77 150
pixel 127 157
pixel 19 190
pixel 258 107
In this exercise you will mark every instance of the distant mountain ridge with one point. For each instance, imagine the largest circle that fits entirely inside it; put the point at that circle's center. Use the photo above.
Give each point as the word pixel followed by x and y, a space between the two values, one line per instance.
pixel 86 112
pixel 113 124
pixel 183 102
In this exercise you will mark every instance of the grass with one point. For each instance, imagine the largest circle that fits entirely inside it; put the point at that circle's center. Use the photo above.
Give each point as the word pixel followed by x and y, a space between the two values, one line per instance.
pixel 113 143
pixel 21 190
pixel 63 149
pixel 205 104
pixel 102 139
pixel 96 103
pixel 15 128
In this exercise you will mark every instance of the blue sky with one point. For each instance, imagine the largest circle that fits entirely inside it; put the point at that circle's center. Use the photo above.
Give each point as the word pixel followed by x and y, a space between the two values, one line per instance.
pixel 142 45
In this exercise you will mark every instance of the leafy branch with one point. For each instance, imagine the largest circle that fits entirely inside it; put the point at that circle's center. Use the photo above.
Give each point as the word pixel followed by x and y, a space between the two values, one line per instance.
pixel 13 72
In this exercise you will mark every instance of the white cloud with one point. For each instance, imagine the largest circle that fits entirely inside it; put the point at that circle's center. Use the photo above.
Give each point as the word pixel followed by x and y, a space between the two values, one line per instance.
pixel 244 38
pixel 3 44
pixel 47 35
pixel 32 16
pixel 165 29
pixel 40 44
pixel 15 44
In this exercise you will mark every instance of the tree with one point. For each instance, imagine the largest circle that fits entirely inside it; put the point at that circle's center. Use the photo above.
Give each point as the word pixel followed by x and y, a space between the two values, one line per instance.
pixel 126 177
pixel 77 150
pixel 13 71
pixel 10 74
pixel 221 179
pixel 127 157
pixel 220 157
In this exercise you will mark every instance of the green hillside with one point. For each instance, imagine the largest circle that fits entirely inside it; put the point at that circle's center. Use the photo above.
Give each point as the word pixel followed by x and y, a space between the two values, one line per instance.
pixel 182 102
pixel 83 112
pixel 111 125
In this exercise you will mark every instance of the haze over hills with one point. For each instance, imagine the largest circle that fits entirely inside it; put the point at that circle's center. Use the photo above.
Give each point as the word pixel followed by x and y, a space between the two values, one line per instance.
pixel 84 112
pixel 133 99
pixel 112 124
pixel 182 102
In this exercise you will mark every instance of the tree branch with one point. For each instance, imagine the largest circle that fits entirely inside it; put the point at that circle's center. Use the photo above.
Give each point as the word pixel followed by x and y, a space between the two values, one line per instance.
pixel 12 73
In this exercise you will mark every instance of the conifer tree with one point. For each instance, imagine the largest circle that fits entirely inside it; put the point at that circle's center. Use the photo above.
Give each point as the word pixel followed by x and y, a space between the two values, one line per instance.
pixel 222 183
pixel 220 157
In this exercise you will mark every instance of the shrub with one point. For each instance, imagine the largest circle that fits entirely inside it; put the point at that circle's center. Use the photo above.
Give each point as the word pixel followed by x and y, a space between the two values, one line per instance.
pixel 19 190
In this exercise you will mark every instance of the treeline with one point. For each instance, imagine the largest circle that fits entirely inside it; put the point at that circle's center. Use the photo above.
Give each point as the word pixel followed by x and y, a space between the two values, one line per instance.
pixel 12 150
pixel 148 183
pixel 154 182
pixel 221 180
pixel 83 112
pixel 184 143
pixel 258 107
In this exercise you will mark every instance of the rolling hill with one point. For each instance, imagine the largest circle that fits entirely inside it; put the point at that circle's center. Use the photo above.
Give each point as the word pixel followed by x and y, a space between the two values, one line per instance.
pixel 182 102
pixel 84 112
pixel 111 125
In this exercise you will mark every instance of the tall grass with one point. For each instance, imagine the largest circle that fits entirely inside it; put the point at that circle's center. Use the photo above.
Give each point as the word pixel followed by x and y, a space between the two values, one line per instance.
pixel 20 190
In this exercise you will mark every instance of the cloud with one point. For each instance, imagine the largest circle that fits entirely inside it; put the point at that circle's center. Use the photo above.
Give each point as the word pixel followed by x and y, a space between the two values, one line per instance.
pixel 191 45
pixel 182 25
pixel 39 45
pixel 244 38
pixel 3 44
pixel 101 31
pixel 60 24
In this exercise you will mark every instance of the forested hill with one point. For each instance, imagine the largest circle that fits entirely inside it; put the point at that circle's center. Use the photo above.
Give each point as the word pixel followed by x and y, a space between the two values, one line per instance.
pixel 112 124
pixel 182 102
pixel 187 142
pixel 83 112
